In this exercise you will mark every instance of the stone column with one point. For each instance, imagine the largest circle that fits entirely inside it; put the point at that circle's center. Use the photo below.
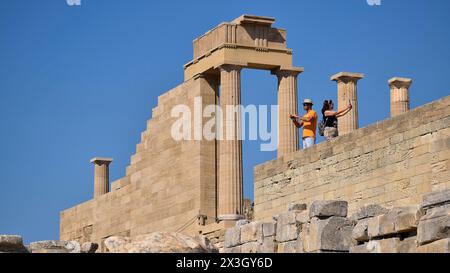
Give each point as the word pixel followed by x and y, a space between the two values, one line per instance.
pixel 287 105
pixel 230 181
pixel 399 95
pixel 347 91
pixel 101 175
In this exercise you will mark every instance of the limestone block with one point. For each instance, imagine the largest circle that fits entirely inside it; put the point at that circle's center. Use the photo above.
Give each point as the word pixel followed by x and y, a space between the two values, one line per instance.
pixel 287 247
pixel 332 234
pixel 302 217
pixel 408 245
pixel 359 232
pixel 232 237
pixel 397 220
pixel 359 249
pixel 268 245
pixel 435 225
pixel 252 232
pixel 287 232
pixel 12 243
pixel 287 227
pixel 296 207
pixel 328 209
pixel 368 211
pixel 89 247
pixel 73 247
pixel 269 229
pixel 408 219
pixel 251 247
pixel 50 246
pixel 166 242
pixel 384 246
pixel 441 246
pixel 436 198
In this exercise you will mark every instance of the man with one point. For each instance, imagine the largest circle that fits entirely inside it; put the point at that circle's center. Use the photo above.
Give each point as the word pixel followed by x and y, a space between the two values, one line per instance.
pixel 308 122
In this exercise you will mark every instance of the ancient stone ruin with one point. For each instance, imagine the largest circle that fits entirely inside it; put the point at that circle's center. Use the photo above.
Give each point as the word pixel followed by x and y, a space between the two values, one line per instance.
pixel 326 227
pixel 194 187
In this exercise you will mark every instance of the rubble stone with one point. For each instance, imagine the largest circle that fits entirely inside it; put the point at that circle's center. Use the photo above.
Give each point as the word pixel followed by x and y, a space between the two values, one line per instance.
pixel 322 209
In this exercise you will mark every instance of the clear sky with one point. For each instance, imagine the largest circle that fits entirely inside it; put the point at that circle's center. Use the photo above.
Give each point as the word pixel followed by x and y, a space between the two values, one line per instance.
pixel 81 81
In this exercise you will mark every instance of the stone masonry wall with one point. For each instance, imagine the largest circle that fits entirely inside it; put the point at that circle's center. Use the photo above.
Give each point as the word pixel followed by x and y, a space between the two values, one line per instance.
pixel 325 227
pixel 392 163
pixel 167 184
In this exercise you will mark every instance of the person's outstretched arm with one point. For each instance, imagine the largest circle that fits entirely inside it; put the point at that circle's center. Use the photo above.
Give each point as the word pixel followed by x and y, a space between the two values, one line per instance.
pixel 345 111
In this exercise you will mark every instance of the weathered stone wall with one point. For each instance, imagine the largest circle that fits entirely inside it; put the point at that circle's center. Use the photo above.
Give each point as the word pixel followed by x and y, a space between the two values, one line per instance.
pixel 325 227
pixel 167 184
pixel 392 163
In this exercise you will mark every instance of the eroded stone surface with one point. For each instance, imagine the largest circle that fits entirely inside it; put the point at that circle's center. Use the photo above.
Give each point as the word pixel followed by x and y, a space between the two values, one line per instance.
pixel 328 209
pixel 157 242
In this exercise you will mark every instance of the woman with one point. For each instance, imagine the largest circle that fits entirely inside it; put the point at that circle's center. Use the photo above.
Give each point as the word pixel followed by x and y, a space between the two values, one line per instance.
pixel 330 118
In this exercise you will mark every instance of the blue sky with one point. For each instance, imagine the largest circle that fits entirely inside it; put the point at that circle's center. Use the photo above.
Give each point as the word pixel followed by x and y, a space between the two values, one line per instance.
pixel 80 81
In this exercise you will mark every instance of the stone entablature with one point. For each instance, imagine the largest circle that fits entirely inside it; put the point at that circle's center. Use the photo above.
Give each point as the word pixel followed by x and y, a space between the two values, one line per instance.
pixel 248 41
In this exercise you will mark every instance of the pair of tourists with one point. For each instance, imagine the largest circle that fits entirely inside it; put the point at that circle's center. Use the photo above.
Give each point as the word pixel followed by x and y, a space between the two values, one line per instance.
pixel 328 125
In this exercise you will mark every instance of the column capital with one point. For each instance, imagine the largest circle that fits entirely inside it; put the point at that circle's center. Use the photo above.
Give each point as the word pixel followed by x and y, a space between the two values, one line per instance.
pixel 230 67
pixel 400 82
pixel 286 72
pixel 101 160
pixel 347 77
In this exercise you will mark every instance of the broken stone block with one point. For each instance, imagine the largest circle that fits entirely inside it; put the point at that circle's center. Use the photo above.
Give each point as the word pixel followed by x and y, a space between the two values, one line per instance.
pixel 441 246
pixel 251 247
pixel 397 220
pixel 89 247
pixel 368 211
pixel 383 246
pixel 359 249
pixel 408 245
pixel 12 244
pixel 269 229
pixel 332 234
pixel 232 237
pixel 408 219
pixel 251 232
pixel 73 247
pixel 435 225
pixel 287 247
pixel 323 209
pixel 296 207
pixel 436 198
pixel 48 247
pixel 268 245
pixel 360 231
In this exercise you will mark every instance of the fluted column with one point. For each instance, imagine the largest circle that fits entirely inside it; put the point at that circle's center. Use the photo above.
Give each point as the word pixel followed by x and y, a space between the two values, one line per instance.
pixel 230 181
pixel 399 95
pixel 101 175
pixel 347 92
pixel 287 105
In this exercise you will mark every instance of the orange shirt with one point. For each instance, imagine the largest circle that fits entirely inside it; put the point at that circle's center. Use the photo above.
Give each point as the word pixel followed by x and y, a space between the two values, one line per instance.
pixel 309 128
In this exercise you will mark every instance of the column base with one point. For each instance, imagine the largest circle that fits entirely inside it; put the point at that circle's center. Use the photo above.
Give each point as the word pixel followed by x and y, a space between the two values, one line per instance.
pixel 230 217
